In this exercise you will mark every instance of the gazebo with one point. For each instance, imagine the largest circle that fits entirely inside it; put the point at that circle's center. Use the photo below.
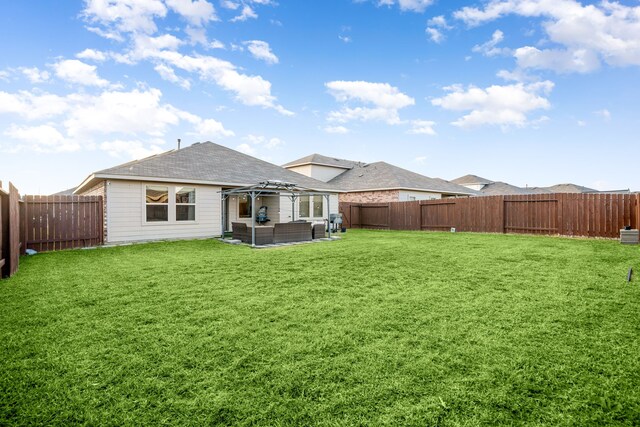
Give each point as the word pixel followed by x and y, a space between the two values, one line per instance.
pixel 271 188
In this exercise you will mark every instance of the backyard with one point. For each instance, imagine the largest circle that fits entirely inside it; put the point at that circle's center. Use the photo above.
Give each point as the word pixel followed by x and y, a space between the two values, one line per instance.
pixel 395 328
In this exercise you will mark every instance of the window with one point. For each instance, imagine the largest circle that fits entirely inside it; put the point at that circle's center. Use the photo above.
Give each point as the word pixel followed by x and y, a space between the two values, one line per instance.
pixel 244 206
pixel 317 206
pixel 304 207
pixel 157 201
pixel 185 204
pixel 411 198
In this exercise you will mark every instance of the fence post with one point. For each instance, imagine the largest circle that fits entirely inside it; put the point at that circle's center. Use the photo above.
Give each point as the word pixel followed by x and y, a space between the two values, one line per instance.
pixel 560 211
pixel 503 213
pixel 637 224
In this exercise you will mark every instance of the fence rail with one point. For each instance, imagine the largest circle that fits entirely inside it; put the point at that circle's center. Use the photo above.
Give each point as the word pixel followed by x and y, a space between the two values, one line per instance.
pixel 591 215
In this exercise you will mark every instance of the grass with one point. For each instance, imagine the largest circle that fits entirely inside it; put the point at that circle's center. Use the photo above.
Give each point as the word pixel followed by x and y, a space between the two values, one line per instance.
pixel 381 328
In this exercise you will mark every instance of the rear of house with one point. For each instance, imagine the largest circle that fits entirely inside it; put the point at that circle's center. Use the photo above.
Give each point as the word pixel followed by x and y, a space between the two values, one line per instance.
pixel 177 194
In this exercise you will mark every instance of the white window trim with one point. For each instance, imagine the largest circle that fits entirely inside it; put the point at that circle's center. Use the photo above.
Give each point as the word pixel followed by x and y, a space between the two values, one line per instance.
pixel 171 205
pixel 311 215
pixel 176 204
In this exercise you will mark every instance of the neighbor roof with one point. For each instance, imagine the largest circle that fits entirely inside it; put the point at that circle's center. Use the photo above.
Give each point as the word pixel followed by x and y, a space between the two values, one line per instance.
pixel 206 163
pixel 471 179
pixel 569 188
pixel 319 159
pixel 503 189
pixel 381 175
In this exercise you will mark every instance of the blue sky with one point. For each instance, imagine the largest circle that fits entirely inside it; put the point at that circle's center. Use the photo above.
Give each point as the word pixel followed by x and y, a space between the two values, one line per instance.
pixel 530 92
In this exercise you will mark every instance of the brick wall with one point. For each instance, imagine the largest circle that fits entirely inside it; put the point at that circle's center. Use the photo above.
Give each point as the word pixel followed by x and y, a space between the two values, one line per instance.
pixel 100 189
pixel 370 196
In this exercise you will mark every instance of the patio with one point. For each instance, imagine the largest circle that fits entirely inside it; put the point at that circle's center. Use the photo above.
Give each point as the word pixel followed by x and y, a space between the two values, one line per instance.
pixel 280 232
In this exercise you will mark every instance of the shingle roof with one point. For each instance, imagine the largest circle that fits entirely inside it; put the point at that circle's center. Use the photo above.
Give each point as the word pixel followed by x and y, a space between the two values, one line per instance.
pixel 319 159
pixel 214 163
pixel 381 175
pixel 471 179
pixel 503 189
pixel 569 188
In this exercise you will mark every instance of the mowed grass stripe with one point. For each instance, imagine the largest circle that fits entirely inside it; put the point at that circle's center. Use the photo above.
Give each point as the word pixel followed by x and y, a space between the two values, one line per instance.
pixel 380 328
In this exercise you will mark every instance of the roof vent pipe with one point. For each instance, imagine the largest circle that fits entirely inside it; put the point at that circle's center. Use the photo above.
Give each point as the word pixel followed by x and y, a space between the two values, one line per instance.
pixel 178 143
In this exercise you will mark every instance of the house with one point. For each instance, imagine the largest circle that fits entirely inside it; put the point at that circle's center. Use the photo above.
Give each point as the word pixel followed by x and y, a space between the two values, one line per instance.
pixel 177 194
pixel 487 187
pixel 375 182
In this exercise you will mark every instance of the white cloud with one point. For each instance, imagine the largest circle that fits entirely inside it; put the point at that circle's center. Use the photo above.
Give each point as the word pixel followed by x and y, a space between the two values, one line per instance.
pixel 490 48
pixel 75 71
pixel 33 105
pixel 604 114
pixel 504 106
pixel 420 159
pixel 132 149
pixel 422 127
pixel 92 54
pixel 269 143
pixel 43 138
pixel 581 123
pixel 410 5
pixel 128 113
pixel 435 28
pixel 440 22
pixel 231 5
pixel 386 101
pixel 336 129
pixel 169 74
pixel 246 149
pixel 216 44
pixel 559 60
pixel 345 39
pixel 260 50
pixel 435 35
pixel 211 129
pixel 110 120
pixel 137 18
pixel 35 75
pixel 197 12
pixel 124 15
pixel 250 90
pixel 4 75
pixel 246 13
pixel 585 35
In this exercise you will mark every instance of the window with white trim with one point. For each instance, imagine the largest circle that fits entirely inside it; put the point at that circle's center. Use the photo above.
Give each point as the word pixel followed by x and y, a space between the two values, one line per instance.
pixel 157 203
pixel 317 206
pixel 185 204
pixel 304 207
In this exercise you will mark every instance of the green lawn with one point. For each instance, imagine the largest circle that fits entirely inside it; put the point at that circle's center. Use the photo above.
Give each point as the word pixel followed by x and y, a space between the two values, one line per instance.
pixel 380 328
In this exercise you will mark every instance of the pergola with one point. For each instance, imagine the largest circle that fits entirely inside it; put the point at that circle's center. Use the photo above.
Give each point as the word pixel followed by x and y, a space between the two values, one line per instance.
pixel 271 188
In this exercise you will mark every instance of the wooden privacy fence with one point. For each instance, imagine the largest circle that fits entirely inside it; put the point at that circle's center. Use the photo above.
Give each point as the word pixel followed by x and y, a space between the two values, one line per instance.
pixel 590 215
pixel 63 222
pixel 46 223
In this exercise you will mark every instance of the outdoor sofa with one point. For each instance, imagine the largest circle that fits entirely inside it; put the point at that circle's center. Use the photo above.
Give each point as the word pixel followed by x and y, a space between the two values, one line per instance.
pixel 278 233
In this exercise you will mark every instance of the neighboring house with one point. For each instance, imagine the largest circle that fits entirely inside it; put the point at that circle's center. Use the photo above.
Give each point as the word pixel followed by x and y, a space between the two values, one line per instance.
pixel 375 182
pixel 176 194
pixel 487 187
